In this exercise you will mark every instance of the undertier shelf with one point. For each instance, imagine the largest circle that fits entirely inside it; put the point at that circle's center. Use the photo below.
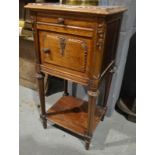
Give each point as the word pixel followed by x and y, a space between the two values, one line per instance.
pixel 72 114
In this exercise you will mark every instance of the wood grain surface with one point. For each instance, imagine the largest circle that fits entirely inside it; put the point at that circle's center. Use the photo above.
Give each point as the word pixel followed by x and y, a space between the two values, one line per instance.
pixel 72 114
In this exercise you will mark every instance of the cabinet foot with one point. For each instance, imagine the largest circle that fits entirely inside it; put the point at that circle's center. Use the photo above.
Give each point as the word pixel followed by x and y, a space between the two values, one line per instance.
pixel 44 121
pixel 87 144
pixel 44 124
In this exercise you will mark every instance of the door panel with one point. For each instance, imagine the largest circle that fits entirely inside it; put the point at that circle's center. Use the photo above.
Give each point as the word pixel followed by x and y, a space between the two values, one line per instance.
pixel 64 50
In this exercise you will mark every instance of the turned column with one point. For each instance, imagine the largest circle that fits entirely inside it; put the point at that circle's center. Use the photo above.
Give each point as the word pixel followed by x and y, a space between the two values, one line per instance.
pixel 40 78
pixel 91 116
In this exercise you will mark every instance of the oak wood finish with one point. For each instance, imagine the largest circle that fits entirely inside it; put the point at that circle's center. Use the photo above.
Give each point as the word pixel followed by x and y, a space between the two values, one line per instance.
pixel 76 43
pixel 72 113
pixel 57 49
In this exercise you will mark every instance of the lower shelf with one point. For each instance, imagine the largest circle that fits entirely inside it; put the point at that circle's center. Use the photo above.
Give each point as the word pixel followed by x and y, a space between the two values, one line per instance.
pixel 72 114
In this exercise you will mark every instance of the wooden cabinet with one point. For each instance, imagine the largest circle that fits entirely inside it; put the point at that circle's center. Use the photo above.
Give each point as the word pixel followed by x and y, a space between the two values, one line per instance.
pixel 76 43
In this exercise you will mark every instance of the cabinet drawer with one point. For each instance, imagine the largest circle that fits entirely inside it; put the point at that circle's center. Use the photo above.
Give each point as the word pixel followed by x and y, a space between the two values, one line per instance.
pixel 66 29
pixel 65 24
pixel 67 51
pixel 60 19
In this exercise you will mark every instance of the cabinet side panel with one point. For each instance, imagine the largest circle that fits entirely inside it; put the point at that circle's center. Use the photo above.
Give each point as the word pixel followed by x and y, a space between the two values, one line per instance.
pixel 111 41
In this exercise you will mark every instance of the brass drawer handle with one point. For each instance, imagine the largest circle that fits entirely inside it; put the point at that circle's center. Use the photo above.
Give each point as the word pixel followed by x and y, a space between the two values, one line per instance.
pixel 46 50
pixel 61 21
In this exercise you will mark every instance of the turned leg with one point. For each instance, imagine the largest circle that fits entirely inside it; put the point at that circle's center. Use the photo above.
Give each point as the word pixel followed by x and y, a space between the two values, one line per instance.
pixel 91 114
pixel 87 143
pixel 40 78
pixel 45 86
pixel 65 88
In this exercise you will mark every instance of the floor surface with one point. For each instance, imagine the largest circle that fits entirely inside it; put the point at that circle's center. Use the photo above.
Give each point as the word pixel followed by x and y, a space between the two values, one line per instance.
pixel 113 136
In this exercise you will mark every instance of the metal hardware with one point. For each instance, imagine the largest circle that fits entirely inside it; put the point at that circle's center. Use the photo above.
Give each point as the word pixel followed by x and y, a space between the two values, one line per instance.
pixel 62 45
pixel 107 68
pixel 61 21
pixel 113 70
pixel 46 50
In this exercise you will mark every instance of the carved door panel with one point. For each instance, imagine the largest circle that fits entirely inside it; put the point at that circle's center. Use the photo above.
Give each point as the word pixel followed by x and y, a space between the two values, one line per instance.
pixel 64 50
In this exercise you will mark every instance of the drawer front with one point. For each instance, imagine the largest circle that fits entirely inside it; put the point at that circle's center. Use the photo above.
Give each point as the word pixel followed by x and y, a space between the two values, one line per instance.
pixel 66 29
pixel 60 19
pixel 65 24
pixel 64 50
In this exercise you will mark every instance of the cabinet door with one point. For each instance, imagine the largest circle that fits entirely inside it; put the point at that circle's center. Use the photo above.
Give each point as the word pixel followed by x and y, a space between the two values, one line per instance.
pixel 64 50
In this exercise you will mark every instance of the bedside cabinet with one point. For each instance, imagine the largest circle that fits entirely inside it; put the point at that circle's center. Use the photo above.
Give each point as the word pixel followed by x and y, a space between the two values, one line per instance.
pixel 76 43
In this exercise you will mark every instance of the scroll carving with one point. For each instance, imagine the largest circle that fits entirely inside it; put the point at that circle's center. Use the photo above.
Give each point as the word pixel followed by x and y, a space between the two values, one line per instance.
pixel 101 36
pixel 84 46
pixel 91 93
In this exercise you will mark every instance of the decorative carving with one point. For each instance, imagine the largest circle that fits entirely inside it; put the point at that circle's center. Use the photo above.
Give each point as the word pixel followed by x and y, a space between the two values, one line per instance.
pixel 84 46
pixel 46 50
pixel 91 93
pixel 62 45
pixel 101 35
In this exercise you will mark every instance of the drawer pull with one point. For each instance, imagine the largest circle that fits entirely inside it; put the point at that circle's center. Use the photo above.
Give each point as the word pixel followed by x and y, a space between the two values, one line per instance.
pixel 46 50
pixel 61 21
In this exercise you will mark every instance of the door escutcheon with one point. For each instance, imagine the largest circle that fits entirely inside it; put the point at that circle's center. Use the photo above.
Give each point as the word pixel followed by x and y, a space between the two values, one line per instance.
pixel 62 45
